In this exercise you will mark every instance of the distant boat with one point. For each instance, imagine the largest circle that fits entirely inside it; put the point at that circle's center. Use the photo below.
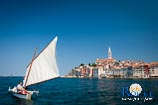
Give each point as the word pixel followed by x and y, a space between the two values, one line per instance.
pixel 42 68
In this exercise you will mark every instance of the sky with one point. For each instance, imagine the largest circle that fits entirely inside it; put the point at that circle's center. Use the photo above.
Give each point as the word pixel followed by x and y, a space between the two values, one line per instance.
pixel 85 30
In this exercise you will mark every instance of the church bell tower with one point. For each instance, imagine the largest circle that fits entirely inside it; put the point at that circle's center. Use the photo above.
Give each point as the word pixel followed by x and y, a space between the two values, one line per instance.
pixel 109 53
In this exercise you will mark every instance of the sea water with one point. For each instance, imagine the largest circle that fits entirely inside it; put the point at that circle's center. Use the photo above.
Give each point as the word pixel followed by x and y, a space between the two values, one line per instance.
pixel 75 91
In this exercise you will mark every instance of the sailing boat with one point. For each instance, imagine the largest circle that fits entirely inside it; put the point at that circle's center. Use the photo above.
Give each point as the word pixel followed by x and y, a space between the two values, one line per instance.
pixel 42 68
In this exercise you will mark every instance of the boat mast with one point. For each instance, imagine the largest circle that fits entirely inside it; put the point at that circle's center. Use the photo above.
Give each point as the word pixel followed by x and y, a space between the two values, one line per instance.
pixel 33 58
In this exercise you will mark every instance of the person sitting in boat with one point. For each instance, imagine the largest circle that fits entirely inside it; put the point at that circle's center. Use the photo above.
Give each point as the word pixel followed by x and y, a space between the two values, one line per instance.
pixel 21 89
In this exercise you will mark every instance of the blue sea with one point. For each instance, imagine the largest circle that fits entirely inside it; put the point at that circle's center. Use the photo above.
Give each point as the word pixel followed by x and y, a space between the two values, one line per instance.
pixel 75 91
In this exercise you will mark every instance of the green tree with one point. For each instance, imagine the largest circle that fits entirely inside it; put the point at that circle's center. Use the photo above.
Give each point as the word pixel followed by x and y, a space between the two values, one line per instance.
pixel 94 65
pixel 81 64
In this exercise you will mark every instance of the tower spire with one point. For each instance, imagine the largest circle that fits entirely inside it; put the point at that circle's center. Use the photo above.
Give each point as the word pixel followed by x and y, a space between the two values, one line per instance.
pixel 109 53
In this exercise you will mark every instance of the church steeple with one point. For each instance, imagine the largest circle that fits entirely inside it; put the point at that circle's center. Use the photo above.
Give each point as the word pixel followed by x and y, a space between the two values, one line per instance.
pixel 109 53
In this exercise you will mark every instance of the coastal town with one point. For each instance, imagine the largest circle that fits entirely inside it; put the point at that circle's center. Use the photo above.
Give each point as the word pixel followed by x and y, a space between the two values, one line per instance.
pixel 111 68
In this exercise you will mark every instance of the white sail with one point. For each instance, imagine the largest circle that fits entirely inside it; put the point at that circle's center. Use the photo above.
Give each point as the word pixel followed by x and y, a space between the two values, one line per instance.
pixel 43 67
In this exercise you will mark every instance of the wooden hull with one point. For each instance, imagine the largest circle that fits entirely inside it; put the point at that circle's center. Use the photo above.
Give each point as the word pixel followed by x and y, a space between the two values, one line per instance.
pixel 22 96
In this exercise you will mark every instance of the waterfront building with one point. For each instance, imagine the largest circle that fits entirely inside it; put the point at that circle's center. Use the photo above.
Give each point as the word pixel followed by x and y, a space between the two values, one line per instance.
pixel 138 72
pixel 154 69
pixel 95 72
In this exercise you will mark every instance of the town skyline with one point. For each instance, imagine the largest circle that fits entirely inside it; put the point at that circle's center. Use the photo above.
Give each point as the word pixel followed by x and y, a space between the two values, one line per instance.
pixel 112 68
